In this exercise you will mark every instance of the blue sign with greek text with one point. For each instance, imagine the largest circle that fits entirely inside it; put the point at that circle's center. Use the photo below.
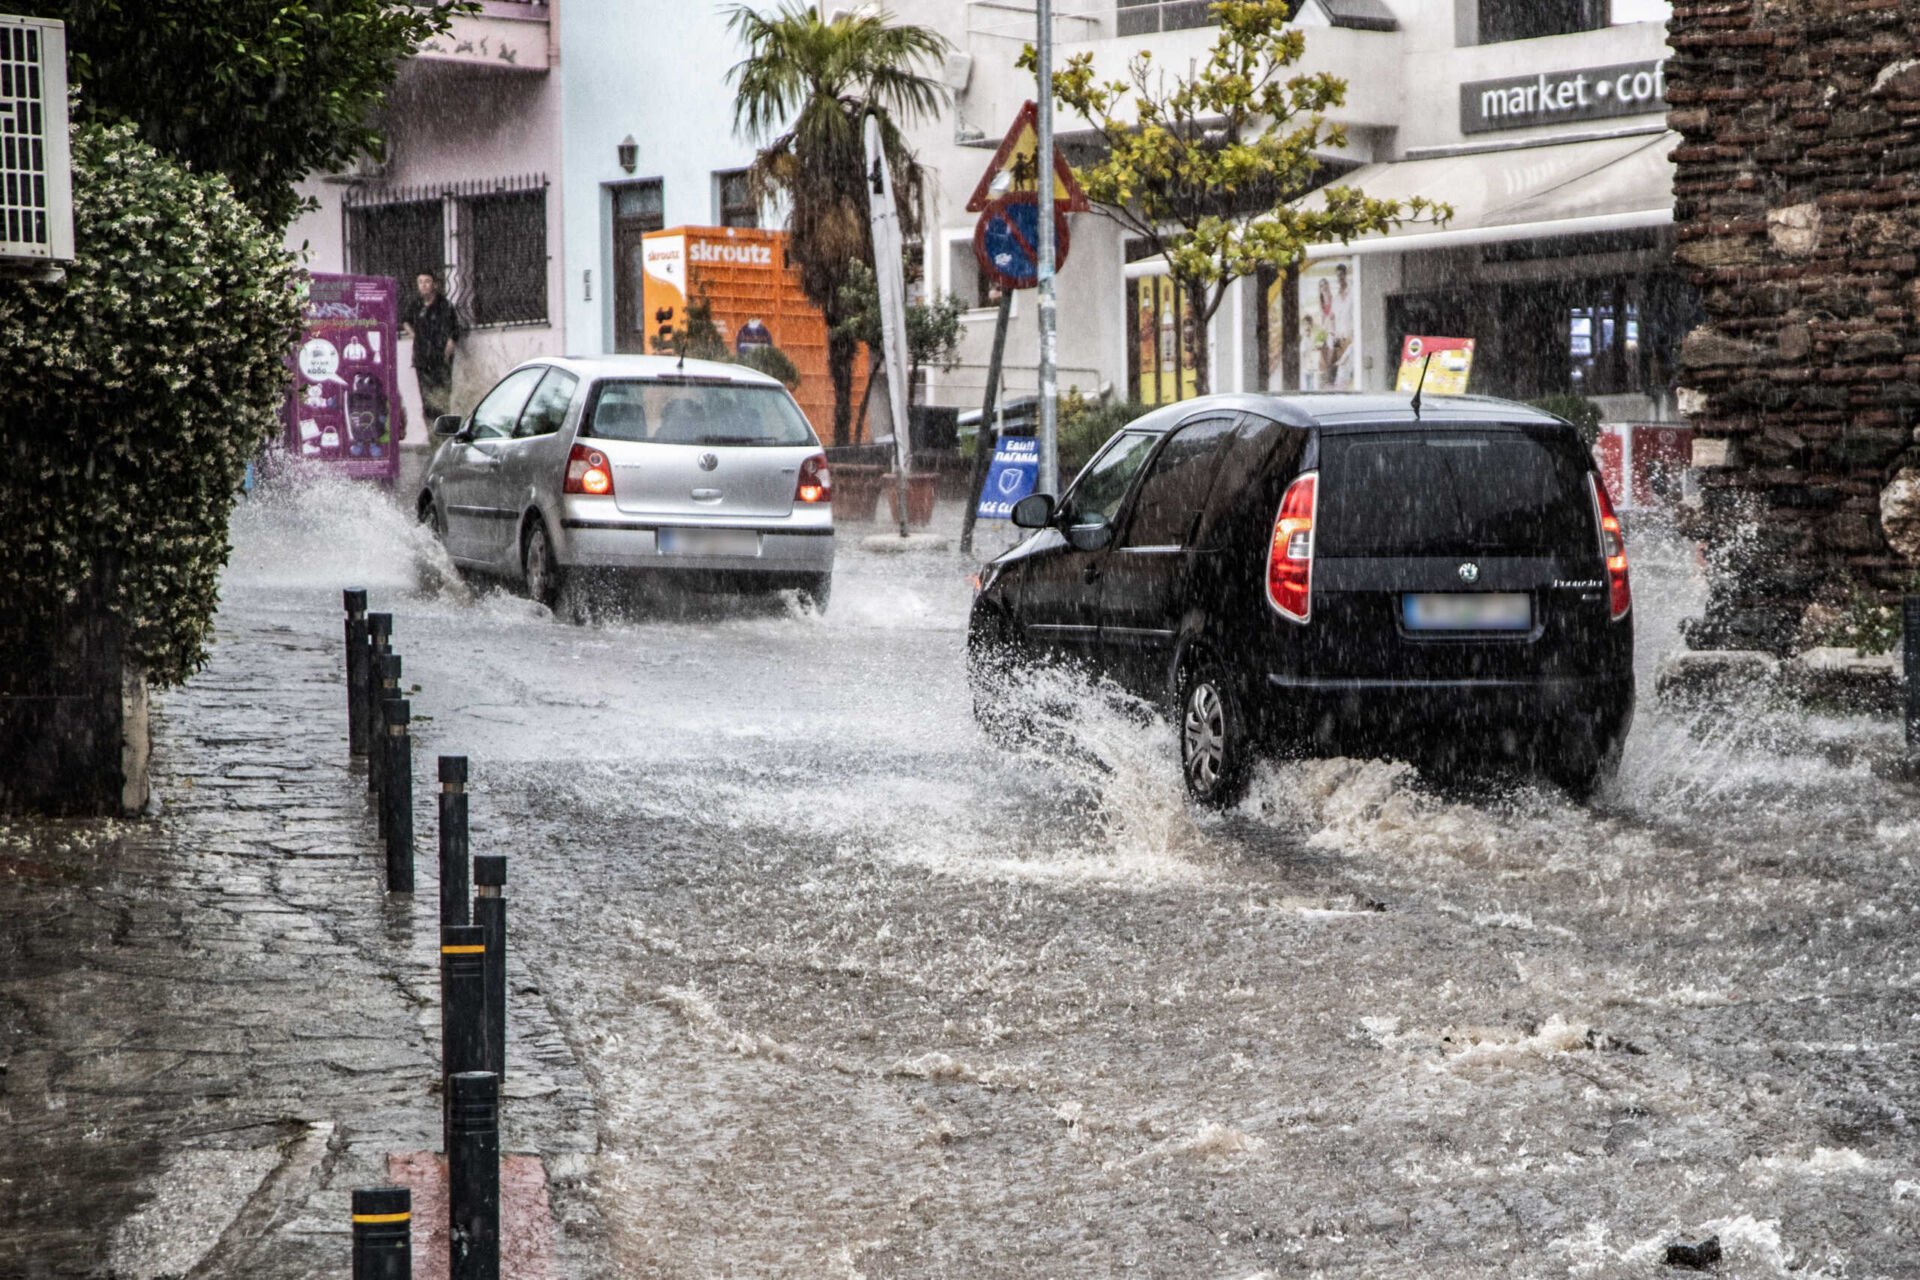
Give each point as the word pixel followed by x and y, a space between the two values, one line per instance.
pixel 1015 471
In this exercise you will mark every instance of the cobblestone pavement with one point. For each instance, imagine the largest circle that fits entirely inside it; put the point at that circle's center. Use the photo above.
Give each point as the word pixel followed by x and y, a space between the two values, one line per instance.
pixel 214 1024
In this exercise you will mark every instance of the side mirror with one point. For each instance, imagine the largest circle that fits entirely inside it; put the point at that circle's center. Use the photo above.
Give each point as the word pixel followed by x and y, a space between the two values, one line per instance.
pixel 1089 537
pixel 447 424
pixel 1035 511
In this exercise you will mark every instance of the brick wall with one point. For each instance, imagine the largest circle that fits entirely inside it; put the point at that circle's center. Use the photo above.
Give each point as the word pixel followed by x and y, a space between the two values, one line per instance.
pixel 1797 204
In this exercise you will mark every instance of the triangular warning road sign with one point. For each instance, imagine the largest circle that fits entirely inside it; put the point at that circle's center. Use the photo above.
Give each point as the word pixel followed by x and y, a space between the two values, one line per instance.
pixel 1013 168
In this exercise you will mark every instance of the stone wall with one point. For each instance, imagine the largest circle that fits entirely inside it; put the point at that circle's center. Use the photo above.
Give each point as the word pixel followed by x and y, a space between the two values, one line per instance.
pixel 1797 204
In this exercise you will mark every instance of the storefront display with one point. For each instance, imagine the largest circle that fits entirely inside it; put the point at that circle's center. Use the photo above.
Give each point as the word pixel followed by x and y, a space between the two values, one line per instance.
pixel 1329 337
pixel 342 411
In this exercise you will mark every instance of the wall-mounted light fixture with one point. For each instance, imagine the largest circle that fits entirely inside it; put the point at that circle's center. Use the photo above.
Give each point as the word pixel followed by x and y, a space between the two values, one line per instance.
pixel 629 154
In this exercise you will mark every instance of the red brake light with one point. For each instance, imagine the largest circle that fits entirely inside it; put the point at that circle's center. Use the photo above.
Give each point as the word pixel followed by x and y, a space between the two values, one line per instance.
pixel 1613 549
pixel 1290 559
pixel 816 481
pixel 588 471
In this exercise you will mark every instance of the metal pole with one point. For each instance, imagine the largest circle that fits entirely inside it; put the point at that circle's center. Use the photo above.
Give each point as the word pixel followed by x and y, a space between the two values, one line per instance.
pixel 355 599
pixel 1910 660
pixel 463 997
pixel 396 800
pixel 473 1177
pixel 989 438
pixel 382 1233
pixel 453 840
pixel 490 913
pixel 1049 348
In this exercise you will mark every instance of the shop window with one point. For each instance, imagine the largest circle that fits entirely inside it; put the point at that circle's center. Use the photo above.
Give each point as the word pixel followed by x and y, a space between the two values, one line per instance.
pixel 1144 17
pixel 734 197
pixel 1161 364
pixel 1502 20
pixel 487 240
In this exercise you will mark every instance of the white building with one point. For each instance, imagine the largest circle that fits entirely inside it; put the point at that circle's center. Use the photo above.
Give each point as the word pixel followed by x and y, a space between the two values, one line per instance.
pixel 1539 121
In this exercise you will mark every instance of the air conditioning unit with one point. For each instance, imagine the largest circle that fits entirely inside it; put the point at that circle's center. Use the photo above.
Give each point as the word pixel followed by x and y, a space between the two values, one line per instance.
pixel 36 175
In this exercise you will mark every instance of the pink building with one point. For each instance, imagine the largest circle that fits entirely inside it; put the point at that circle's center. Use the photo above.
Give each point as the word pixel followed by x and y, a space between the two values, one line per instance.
pixel 470 189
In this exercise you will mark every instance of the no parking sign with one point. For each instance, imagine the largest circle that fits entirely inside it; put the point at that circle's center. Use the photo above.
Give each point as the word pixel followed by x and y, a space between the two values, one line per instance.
pixel 1015 471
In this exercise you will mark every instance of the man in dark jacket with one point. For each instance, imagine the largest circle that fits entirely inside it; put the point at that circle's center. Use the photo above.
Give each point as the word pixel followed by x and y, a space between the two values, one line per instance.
pixel 435 328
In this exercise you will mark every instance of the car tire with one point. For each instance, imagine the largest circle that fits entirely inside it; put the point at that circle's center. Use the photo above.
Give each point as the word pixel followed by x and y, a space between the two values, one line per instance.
pixel 1216 742
pixel 817 592
pixel 1581 765
pixel 993 660
pixel 544 577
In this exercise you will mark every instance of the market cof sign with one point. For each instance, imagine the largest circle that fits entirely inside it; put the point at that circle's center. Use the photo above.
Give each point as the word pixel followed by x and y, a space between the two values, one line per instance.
pixel 1549 97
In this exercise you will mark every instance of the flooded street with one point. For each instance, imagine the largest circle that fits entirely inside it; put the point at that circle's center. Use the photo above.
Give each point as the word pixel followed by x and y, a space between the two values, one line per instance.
pixel 860 994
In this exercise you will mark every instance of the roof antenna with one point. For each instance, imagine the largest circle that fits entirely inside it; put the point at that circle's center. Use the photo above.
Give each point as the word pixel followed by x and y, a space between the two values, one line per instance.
pixel 1422 388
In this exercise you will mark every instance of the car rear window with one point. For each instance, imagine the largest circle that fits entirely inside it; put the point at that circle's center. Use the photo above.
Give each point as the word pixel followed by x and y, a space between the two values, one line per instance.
pixel 1454 491
pixel 699 412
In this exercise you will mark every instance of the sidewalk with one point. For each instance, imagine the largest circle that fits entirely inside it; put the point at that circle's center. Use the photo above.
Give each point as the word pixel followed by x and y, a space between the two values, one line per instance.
pixel 214 1024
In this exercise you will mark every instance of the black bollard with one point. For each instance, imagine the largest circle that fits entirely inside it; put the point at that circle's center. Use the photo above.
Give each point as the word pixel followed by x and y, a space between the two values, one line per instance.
pixel 379 641
pixel 490 913
pixel 382 1233
pixel 453 840
pixel 1910 661
pixel 355 600
pixel 386 686
pixel 463 1005
pixel 473 1177
pixel 396 795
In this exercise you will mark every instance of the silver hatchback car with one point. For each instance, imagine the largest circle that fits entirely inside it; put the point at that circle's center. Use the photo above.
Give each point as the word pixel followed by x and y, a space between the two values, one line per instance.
pixel 645 464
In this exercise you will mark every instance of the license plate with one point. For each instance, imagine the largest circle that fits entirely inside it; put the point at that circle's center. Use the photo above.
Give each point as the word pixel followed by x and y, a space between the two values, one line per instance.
pixel 708 542
pixel 1475 611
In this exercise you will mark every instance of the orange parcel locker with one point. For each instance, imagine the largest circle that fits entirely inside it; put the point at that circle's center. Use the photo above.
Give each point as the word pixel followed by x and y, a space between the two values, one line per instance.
pixel 745 276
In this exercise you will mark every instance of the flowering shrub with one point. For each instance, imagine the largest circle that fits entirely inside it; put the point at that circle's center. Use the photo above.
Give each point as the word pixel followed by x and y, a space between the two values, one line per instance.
pixel 137 389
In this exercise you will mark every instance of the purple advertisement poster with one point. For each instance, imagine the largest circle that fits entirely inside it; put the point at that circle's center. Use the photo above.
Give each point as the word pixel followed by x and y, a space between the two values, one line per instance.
pixel 344 412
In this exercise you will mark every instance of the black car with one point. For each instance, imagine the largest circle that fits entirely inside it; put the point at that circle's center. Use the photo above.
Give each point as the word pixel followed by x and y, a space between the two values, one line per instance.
pixel 1322 573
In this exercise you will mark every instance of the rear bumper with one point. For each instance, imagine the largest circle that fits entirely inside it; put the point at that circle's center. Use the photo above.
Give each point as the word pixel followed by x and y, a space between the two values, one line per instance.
pixel 785 550
pixel 1372 712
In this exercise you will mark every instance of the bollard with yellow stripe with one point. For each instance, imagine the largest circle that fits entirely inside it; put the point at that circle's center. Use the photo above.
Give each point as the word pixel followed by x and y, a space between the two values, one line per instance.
pixel 463 1004
pixel 382 1233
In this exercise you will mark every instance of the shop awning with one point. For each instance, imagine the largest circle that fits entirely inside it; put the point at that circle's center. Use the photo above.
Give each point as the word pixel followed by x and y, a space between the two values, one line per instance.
pixel 1524 193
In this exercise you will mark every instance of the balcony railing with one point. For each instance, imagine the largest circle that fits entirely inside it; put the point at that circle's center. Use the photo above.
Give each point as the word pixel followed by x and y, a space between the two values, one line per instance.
pixel 1144 17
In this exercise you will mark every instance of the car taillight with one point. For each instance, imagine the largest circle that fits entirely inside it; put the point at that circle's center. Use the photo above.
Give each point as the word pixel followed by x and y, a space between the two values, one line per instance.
pixel 1290 560
pixel 816 481
pixel 588 471
pixel 1613 549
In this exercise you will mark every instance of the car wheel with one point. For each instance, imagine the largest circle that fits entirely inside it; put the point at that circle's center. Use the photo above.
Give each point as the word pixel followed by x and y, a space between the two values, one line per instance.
pixel 544 576
pixel 1580 765
pixel 993 660
pixel 1215 746
pixel 817 592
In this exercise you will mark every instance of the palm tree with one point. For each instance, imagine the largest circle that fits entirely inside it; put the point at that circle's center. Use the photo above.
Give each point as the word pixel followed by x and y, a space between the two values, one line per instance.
pixel 820 81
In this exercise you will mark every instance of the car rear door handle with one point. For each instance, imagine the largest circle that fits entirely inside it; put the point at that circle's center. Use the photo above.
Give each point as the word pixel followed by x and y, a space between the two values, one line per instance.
pixel 706 495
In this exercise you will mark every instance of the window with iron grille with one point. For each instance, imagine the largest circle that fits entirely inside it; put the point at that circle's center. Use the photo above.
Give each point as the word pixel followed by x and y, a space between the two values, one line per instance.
pixel 487 241
pixel 502 246
pixel 401 240
pixel 738 208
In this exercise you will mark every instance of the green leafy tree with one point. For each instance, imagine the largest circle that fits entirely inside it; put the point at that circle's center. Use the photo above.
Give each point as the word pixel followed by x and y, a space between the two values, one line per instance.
pixel 933 328
pixel 818 81
pixel 1203 167
pixel 263 91
pixel 137 389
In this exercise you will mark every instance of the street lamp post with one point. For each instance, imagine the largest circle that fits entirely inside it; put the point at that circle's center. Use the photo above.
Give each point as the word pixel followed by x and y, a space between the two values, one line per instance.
pixel 1049 480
